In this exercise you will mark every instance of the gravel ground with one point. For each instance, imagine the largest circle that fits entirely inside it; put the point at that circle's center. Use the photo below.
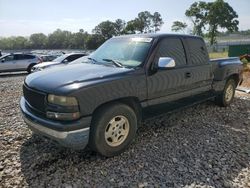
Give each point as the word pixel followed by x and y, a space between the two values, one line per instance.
pixel 201 146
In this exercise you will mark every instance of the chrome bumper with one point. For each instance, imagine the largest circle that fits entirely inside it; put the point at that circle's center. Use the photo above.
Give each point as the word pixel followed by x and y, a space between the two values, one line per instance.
pixel 76 139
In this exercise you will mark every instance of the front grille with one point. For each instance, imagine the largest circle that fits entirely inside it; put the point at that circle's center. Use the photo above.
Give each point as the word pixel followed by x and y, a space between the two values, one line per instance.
pixel 35 99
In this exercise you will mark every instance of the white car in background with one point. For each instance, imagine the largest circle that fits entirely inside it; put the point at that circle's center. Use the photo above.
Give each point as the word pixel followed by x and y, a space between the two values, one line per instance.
pixel 18 62
pixel 64 59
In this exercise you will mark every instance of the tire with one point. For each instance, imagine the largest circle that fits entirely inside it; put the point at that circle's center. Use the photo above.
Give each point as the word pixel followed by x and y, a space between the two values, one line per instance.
pixel 113 129
pixel 225 98
pixel 29 68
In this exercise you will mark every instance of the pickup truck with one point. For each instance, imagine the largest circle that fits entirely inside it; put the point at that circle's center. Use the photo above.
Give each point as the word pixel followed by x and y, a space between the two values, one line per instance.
pixel 100 101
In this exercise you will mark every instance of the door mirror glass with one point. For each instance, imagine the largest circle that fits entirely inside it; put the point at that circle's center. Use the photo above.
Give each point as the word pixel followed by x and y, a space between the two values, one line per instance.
pixel 166 62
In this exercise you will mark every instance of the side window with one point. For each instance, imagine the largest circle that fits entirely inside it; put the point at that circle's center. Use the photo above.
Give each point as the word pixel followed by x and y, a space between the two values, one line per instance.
pixel 172 47
pixel 28 56
pixel 73 57
pixel 18 57
pixel 197 51
pixel 9 58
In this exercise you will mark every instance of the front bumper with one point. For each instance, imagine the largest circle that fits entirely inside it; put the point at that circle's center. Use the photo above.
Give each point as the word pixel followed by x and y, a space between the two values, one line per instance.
pixel 59 132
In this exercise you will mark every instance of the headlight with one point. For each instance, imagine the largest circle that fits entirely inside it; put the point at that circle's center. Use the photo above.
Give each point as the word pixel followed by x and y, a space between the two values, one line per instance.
pixel 62 100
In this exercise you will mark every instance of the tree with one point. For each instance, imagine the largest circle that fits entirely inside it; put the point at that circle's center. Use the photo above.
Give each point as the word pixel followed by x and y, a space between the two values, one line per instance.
pixel 179 26
pixel 59 39
pixel 157 21
pixel 78 40
pixel 119 26
pixel 197 13
pixel 94 41
pixel 221 15
pixel 20 42
pixel 213 15
pixel 38 41
pixel 130 27
pixel 144 23
pixel 107 29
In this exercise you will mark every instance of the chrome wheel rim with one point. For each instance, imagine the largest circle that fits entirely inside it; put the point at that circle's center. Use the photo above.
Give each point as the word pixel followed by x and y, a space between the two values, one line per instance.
pixel 116 131
pixel 229 93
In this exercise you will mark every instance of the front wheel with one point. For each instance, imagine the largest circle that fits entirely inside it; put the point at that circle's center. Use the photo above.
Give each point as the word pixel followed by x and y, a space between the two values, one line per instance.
pixel 225 98
pixel 113 128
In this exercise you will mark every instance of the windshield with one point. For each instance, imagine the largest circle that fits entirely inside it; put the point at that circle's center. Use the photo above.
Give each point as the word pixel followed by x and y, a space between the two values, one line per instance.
pixel 60 58
pixel 129 52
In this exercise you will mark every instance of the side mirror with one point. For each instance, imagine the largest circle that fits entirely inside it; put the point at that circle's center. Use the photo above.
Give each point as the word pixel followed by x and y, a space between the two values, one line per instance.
pixel 65 61
pixel 3 60
pixel 166 62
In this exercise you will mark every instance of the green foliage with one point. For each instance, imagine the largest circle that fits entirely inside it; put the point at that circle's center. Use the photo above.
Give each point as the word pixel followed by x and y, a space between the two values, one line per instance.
pixel 221 14
pixel 94 41
pixel 213 15
pixel 145 23
pixel 107 29
pixel 197 14
pixel 179 26
pixel 38 40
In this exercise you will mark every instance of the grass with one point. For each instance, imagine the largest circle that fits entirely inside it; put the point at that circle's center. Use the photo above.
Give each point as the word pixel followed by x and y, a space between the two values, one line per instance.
pixel 214 55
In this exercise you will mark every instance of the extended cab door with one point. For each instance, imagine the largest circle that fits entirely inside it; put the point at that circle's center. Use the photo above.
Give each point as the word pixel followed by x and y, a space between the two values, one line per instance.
pixel 199 67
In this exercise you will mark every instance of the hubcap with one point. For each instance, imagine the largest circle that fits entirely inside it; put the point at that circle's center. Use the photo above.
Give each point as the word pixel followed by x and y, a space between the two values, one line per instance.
pixel 116 131
pixel 229 93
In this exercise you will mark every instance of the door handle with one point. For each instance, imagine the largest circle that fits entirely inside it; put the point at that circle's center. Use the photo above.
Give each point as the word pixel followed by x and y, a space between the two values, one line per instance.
pixel 187 74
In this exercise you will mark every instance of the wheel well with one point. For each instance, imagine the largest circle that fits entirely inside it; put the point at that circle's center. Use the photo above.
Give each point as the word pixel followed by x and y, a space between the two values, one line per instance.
pixel 31 65
pixel 235 77
pixel 132 102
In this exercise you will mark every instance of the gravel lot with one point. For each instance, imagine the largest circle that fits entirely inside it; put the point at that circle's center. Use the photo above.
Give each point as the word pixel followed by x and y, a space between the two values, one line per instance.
pixel 201 146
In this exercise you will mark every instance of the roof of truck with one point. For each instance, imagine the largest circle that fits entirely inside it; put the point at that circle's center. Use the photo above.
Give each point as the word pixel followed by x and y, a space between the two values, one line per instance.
pixel 157 35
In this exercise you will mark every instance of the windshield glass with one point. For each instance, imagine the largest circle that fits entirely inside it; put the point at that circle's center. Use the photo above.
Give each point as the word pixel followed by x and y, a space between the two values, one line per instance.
pixel 60 58
pixel 129 52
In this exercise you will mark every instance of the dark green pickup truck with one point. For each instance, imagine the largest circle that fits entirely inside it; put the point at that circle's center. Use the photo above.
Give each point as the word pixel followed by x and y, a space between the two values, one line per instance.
pixel 100 100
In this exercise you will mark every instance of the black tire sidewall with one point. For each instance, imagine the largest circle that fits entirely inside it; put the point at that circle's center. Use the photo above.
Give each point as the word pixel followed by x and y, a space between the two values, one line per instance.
pixel 97 132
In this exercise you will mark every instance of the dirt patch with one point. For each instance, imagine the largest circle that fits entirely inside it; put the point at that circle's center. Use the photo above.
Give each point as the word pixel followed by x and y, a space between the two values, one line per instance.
pixel 246 79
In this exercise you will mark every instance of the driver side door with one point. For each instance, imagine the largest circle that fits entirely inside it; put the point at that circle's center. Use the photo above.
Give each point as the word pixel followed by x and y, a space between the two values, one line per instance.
pixel 169 85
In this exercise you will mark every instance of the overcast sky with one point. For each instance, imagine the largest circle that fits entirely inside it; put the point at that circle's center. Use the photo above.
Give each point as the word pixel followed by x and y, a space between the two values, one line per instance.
pixel 24 17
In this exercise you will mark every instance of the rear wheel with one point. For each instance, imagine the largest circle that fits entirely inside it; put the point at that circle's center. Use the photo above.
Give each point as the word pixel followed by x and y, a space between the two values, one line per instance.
pixel 225 98
pixel 29 68
pixel 113 128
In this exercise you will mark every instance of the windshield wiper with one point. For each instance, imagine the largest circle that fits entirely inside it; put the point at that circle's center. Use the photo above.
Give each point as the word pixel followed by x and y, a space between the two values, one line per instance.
pixel 115 62
pixel 92 59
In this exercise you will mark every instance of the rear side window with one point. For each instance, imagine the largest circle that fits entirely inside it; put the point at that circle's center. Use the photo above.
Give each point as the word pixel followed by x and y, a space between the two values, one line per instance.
pixel 18 57
pixel 172 47
pixel 23 56
pixel 197 51
pixel 28 56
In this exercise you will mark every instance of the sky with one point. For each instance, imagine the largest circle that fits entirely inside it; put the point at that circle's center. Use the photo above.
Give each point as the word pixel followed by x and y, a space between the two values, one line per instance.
pixel 24 17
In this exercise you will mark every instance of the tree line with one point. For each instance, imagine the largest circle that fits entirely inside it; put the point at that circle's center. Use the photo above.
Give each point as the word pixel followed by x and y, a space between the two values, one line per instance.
pixel 145 22
pixel 205 20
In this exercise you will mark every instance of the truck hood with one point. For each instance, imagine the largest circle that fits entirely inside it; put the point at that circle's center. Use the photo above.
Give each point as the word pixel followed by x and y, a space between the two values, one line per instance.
pixel 54 80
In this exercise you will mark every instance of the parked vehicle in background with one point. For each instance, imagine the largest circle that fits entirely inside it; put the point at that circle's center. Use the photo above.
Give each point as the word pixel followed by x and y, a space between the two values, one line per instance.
pixel 47 58
pixel 18 62
pixel 66 58
pixel 101 101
